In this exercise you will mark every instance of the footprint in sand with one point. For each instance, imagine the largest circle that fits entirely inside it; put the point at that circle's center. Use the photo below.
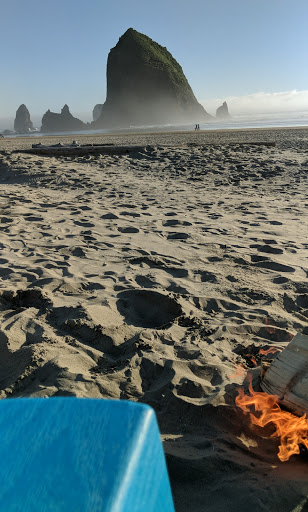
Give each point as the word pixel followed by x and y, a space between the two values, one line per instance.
pixel 109 215
pixel 33 218
pixel 78 252
pixel 280 280
pixel 268 249
pixel 200 380
pixel 156 261
pixel 272 265
pixel 128 229
pixel 130 214
pixel 5 272
pixel 205 277
pixel 155 377
pixel 31 298
pixel 177 236
pixel 176 222
pixel 128 205
pixel 84 223
pixel 147 308
pixel 150 281
pixel 6 220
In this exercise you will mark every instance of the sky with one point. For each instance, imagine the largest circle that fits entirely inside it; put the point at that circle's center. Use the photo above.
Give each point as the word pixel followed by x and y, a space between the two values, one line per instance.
pixel 251 53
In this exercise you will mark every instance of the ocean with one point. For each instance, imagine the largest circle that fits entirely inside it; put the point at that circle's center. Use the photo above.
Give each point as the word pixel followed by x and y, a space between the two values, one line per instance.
pixel 268 120
pixel 273 120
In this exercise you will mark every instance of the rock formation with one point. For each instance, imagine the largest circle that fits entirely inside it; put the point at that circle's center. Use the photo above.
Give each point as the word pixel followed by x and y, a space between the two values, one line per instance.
pixel 146 85
pixel 22 123
pixel 222 112
pixel 53 122
pixel 97 111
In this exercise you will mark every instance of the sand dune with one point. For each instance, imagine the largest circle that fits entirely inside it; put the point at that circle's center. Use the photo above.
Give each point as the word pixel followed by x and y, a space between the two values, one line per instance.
pixel 158 276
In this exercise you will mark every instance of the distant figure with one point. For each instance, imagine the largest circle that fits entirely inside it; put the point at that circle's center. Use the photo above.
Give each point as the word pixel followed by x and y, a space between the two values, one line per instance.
pixel 197 127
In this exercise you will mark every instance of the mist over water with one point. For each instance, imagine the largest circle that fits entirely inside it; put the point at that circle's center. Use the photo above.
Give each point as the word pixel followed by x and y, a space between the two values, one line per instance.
pixel 260 102
pixel 265 120
pixel 258 110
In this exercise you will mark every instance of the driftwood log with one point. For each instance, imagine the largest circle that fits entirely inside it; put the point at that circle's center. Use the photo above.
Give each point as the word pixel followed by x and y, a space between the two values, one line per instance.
pixel 112 149
pixel 81 150
pixel 287 376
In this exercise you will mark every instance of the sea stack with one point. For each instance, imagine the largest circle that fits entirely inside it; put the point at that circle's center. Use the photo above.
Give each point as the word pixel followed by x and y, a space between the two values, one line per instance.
pixel 53 122
pixel 22 123
pixel 97 111
pixel 222 112
pixel 146 86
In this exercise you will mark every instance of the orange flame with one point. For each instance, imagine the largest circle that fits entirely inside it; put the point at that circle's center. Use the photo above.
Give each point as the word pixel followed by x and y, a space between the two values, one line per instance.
pixel 271 350
pixel 239 372
pixel 292 430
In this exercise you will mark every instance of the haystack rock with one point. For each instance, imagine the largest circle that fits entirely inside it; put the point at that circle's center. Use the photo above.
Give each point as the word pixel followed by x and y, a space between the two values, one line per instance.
pixel 223 112
pixel 146 85
pixel 53 122
pixel 22 123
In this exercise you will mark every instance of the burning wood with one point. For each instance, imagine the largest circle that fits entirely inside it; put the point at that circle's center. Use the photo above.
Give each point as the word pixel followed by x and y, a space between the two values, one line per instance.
pixel 287 376
pixel 264 410
pixel 286 382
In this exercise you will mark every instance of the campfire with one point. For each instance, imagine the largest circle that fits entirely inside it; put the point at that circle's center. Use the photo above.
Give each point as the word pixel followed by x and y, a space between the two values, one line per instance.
pixel 288 377
pixel 264 410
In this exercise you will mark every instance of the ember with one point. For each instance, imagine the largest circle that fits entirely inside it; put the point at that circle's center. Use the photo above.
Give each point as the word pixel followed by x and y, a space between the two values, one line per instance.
pixel 269 326
pixel 292 430
pixel 239 372
pixel 271 350
pixel 252 359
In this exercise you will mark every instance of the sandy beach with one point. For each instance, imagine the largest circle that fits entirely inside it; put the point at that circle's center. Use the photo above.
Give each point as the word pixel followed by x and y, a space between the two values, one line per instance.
pixel 157 276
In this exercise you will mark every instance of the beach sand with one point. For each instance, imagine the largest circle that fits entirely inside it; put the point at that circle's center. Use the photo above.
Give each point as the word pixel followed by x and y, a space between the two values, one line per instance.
pixel 157 276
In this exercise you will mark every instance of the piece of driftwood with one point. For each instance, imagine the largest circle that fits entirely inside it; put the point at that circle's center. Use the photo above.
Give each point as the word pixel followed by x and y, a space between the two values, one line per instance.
pixel 60 150
pixel 287 376
pixel 112 149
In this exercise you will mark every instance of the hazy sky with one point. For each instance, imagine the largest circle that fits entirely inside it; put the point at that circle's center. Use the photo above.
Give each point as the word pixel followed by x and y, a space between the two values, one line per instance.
pixel 250 52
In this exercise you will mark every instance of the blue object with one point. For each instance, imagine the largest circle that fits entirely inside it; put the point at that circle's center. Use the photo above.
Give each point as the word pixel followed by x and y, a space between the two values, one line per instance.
pixel 80 454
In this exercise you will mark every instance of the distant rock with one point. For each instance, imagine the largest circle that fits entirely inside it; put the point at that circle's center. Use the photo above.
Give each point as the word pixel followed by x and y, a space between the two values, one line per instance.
pixel 146 86
pixel 53 122
pixel 222 112
pixel 22 123
pixel 97 111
